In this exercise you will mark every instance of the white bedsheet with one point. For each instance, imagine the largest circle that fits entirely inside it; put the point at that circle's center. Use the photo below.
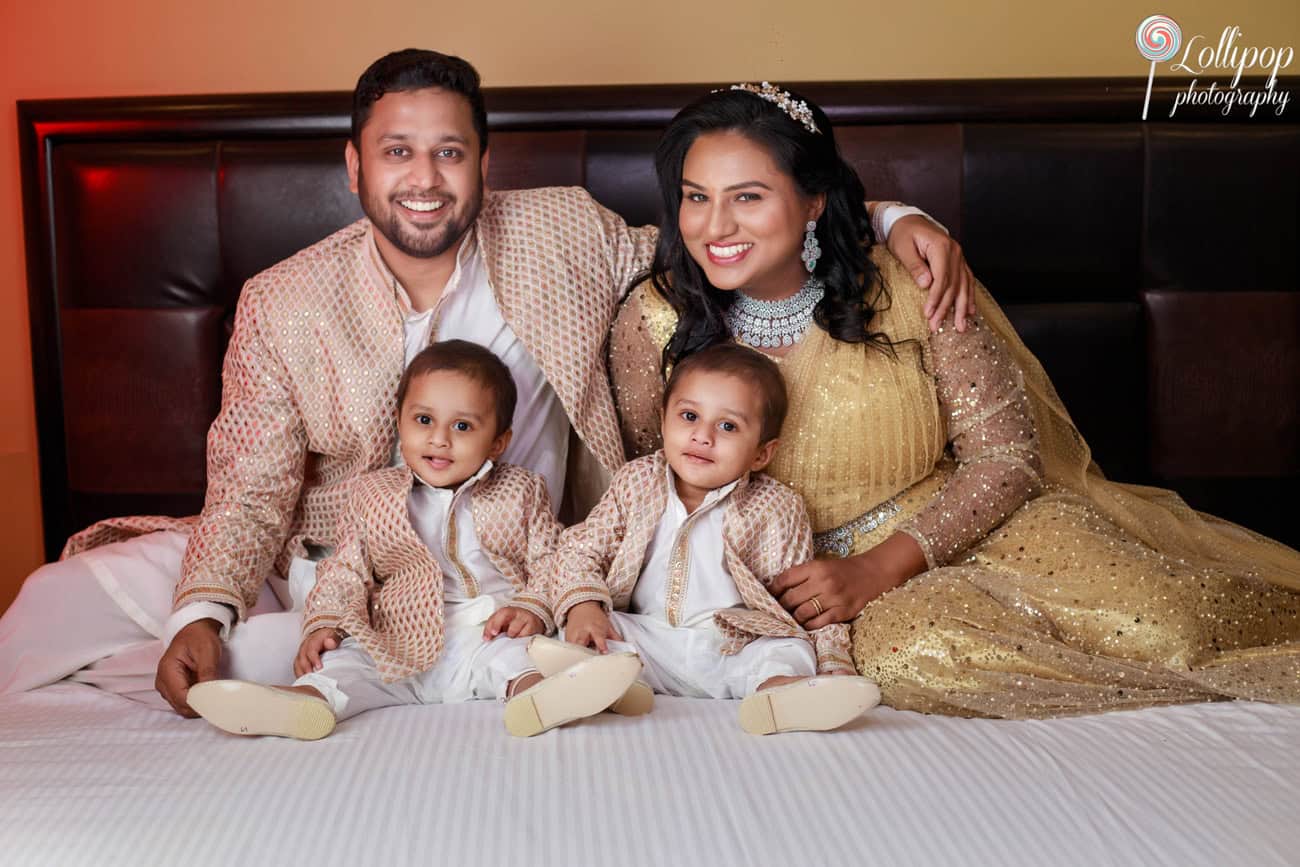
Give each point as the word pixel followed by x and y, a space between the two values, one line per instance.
pixel 89 778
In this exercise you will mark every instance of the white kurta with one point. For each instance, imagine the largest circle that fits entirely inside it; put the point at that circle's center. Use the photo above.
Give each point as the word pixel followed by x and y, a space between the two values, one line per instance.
pixel 428 508
pixel 695 539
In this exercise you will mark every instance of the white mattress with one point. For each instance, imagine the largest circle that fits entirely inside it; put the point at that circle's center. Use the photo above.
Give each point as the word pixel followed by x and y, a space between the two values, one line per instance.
pixel 89 778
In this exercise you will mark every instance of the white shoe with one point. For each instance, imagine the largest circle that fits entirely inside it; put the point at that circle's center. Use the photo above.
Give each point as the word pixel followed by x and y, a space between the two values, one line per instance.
pixel 552 656
pixel 817 704
pixel 244 708
pixel 579 691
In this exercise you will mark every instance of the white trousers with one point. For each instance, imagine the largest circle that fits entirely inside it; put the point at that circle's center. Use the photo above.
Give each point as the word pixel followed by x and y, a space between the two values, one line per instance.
pixel 688 660
pixel 98 617
pixel 468 668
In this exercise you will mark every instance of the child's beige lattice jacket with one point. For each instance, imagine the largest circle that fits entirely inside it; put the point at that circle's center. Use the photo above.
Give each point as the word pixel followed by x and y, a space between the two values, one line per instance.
pixel 384 588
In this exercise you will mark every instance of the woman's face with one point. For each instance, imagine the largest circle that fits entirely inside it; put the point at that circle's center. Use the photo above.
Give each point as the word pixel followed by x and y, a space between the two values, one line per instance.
pixel 742 218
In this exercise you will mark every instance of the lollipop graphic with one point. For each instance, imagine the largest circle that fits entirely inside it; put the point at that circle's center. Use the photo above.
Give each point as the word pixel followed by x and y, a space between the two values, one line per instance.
pixel 1158 38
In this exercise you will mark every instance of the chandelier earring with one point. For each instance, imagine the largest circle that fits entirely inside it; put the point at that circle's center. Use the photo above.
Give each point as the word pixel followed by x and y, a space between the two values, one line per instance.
pixel 812 251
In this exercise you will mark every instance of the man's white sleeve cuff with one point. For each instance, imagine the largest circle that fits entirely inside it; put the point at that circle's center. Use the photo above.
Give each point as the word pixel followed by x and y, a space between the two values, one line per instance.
pixel 188 614
pixel 893 213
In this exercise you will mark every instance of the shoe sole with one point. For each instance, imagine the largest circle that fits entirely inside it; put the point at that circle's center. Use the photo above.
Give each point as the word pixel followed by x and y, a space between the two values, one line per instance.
pixel 552 657
pixel 244 708
pixel 579 691
pixel 815 705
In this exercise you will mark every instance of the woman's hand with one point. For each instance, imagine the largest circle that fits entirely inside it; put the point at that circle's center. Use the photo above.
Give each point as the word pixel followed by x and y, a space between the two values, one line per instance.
pixel 936 262
pixel 821 592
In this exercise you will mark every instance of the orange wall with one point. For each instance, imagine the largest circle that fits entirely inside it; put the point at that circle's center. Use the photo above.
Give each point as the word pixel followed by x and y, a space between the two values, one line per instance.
pixel 76 48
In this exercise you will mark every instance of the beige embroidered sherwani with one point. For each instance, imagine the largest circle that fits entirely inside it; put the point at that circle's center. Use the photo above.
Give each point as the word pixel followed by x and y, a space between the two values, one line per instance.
pixel 383 585
pixel 312 370
pixel 765 531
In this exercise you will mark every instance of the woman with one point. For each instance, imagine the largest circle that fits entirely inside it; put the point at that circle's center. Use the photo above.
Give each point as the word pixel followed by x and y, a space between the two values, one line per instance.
pixel 987 567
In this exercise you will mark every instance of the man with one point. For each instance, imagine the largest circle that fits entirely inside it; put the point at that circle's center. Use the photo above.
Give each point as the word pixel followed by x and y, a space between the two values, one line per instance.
pixel 319 345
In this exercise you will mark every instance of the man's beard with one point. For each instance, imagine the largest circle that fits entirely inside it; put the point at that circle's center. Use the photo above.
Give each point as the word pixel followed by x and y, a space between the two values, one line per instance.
pixel 418 243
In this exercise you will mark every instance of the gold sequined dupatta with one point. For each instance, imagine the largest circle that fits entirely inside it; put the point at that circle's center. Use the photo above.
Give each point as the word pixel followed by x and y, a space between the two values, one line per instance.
pixel 1158 517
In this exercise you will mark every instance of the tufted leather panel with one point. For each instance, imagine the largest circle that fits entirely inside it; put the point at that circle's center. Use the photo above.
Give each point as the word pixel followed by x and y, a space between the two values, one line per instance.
pixel 1225 383
pixel 1094 354
pixel 919 164
pixel 113 201
pixel 1225 403
pixel 1054 211
pixel 145 393
pixel 519 160
pixel 1222 208
pixel 621 173
pixel 277 197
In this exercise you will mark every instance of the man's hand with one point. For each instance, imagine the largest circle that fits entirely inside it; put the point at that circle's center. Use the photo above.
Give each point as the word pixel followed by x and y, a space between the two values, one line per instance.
pixel 514 622
pixel 191 658
pixel 317 642
pixel 936 262
pixel 589 626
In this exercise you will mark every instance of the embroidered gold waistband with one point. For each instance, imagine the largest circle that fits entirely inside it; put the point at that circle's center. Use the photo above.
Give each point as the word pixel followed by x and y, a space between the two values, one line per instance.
pixel 838 541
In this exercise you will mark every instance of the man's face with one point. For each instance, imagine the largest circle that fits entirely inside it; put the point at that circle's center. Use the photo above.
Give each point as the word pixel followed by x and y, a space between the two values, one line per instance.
pixel 419 174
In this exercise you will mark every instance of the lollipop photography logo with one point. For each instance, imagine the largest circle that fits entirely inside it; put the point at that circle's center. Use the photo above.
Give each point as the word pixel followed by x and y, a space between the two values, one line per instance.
pixel 1159 39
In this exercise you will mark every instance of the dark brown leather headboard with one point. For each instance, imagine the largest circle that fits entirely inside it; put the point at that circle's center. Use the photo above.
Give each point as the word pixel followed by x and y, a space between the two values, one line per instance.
pixel 1153 267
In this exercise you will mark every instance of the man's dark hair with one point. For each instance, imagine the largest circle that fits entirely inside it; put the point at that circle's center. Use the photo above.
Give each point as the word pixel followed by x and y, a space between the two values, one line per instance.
pixel 746 364
pixel 417 69
pixel 471 360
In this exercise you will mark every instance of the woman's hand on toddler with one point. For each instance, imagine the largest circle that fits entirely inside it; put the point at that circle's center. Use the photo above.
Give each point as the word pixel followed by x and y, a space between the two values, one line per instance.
pixel 589 626
pixel 316 643
pixel 821 592
pixel 514 622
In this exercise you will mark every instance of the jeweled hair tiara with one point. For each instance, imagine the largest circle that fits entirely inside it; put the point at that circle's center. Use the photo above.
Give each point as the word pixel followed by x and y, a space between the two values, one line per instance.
pixel 797 109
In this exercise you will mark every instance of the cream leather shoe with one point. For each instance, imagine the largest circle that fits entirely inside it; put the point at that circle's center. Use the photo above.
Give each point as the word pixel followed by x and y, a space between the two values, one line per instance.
pixel 817 704
pixel 552 656
pixel 579 691
pixel 244 708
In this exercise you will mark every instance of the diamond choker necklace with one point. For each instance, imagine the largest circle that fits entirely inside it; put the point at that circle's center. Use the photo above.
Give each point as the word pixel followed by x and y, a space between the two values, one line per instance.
pixel 774 323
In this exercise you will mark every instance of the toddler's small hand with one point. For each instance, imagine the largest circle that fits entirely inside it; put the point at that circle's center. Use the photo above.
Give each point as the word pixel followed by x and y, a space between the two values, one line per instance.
pixel 589 626
pixel 514 622
pixel 319 641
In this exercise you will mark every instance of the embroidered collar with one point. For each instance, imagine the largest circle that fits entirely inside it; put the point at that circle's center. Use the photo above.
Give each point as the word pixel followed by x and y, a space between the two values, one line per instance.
pixel 460 489
pixel 713 498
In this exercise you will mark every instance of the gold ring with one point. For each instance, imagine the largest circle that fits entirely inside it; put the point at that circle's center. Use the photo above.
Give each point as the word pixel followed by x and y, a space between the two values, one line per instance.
pixel 816 605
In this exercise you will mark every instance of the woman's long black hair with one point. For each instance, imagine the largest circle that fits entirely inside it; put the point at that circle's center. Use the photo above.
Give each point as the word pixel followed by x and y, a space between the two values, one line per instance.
pixel 843 231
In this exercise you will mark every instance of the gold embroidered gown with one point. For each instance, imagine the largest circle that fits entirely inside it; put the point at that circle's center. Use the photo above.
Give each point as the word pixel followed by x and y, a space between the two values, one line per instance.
pixel 1051 591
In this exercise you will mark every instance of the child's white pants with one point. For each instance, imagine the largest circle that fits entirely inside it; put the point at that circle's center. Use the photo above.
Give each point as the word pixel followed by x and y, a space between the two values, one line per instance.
pixel 468 667
pixel 688 660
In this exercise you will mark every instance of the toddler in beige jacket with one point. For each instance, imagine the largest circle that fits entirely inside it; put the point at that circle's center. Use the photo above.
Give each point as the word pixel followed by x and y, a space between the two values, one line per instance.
pixel 675 561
